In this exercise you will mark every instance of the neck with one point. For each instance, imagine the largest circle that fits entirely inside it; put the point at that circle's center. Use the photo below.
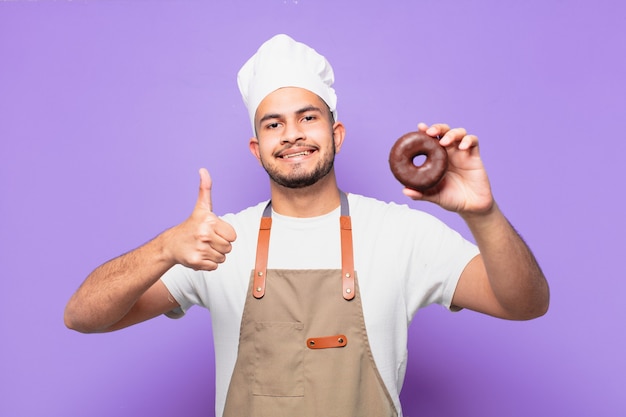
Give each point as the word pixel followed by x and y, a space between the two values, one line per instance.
pixel 315 200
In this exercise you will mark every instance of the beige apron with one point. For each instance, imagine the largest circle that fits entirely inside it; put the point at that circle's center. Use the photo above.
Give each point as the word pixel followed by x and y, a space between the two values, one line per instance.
pixel 303 347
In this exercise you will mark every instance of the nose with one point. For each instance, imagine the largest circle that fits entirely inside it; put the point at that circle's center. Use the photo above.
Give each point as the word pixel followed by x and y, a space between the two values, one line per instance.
pixel 292 133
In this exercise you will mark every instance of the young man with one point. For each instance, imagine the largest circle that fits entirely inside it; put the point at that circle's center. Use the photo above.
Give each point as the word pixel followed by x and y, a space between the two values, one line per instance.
pixel 319 327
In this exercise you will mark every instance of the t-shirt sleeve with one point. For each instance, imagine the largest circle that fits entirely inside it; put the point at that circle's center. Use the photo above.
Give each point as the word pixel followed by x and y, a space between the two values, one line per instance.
pixel 466 251
pixel 179 281
pixel 408 255
pixel 438 262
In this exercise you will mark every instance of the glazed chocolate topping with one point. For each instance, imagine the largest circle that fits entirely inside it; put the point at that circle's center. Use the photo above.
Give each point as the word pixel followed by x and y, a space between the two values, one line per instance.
pixel 426 175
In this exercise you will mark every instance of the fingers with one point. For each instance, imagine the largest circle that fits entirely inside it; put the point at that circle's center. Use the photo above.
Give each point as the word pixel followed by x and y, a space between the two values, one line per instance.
pixel 213 239
pixel 211 254
pixel 436 130
pixel 413 194
pixel 468 142
pixel 204 193
pixel 225 231
pixel 422 127
pixel 215 236
pixel 448 136
pixel 453 136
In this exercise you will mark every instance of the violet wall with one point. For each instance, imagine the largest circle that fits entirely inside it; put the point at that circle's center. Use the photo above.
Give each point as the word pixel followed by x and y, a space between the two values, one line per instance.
pixel 108 109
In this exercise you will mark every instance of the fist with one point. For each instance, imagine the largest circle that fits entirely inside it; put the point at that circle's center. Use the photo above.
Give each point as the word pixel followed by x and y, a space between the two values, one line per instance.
pixel 202 241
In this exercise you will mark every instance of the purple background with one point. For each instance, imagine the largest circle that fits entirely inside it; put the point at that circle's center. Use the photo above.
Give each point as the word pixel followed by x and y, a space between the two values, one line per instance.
pixel 108 109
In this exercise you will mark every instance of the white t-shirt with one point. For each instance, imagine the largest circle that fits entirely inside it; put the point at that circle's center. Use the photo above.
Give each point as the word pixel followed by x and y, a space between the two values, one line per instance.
pixel 404 259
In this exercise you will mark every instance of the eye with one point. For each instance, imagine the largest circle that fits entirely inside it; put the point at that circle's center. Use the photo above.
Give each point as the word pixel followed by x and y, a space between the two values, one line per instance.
pixel 273 125
pixel 309 118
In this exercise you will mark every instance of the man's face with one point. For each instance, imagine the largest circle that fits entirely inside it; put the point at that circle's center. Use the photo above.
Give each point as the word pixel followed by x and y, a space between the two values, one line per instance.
pixel 296 138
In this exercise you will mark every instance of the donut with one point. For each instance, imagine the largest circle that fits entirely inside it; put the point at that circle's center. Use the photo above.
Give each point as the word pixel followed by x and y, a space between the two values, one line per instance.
pixel 426 175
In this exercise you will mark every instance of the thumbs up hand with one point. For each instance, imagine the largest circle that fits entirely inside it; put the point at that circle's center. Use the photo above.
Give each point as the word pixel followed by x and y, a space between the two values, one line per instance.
pixel 202 241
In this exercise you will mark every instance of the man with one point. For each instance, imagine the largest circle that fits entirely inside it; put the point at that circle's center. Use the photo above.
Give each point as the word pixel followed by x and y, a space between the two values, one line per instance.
pixel 320 325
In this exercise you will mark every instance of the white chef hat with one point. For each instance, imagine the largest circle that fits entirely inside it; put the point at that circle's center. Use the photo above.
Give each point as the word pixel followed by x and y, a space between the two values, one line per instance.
pixel 283 62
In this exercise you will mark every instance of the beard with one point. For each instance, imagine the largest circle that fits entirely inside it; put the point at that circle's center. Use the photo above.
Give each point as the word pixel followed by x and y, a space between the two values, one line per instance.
pixel 298 177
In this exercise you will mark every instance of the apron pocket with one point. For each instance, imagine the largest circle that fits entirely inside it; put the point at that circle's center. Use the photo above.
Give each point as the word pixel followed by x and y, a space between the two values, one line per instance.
pixel 279 359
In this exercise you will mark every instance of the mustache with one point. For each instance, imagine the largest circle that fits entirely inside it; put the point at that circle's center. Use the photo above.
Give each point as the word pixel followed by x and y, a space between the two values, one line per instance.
pixel 303 146
pixel 298 146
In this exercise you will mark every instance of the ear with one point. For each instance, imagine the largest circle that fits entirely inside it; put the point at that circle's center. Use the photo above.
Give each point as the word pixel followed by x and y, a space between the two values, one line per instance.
pixel 339 133
pixel 254 148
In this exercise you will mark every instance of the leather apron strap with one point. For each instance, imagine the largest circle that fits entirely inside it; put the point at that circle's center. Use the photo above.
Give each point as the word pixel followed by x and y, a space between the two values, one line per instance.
pixel 347 256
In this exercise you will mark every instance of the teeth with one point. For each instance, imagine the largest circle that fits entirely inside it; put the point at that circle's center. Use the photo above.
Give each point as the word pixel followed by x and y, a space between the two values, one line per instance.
pixel 296 154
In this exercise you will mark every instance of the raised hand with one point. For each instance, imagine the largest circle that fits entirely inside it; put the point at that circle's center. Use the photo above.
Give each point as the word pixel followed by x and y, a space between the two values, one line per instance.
pixel 202 241
pixel 465 187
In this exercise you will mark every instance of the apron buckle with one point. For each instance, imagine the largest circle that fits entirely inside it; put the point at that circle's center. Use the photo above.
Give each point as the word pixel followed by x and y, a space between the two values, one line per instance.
pixel 326 342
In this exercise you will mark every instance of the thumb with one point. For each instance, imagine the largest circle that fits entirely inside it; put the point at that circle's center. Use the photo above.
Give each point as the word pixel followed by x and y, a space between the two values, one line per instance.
pixel 204 193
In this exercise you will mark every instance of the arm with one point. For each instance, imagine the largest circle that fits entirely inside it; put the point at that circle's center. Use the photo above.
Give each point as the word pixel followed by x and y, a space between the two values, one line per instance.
pixel 127 290
pixel 504 280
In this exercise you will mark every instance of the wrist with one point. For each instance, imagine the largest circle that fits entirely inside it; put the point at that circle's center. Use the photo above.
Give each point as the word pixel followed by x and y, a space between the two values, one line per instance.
pixel 163 249
pixel 485 217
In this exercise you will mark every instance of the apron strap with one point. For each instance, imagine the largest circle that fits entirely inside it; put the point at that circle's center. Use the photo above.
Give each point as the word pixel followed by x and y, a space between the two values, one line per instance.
pixel 347 257
pixel 262 249
pixel 347 260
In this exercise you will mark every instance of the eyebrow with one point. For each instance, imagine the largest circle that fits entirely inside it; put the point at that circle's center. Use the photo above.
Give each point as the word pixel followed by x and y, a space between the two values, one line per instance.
pixel 305 109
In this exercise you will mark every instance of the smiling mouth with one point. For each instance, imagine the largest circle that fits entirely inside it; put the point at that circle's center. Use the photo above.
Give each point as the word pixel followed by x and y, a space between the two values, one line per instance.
pixel 296 152
pixel 295 155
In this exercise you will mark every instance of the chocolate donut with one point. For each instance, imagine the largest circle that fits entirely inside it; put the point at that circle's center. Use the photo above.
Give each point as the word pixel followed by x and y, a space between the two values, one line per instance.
pixel 426 175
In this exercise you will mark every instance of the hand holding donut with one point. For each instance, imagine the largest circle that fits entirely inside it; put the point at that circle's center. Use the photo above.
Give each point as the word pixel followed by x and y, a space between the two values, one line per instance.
pixel 464 186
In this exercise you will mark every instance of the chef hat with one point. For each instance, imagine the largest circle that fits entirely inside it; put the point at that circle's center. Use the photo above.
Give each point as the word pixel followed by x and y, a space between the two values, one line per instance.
pixel 283 62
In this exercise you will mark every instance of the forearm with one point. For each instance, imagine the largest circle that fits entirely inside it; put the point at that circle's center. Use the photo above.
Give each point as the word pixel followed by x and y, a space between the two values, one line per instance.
pixel 112 289
pixel 514 275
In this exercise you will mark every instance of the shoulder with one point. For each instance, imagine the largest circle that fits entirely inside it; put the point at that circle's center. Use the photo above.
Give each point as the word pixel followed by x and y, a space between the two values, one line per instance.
pixel 399 222
pixel 245 217
pixel 363 208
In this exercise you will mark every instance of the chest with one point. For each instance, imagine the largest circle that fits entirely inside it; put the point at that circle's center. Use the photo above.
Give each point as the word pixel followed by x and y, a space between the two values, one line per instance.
pixel 309 246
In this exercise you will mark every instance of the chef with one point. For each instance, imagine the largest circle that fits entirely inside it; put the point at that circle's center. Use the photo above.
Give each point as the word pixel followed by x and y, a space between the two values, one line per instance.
pixel 311 292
